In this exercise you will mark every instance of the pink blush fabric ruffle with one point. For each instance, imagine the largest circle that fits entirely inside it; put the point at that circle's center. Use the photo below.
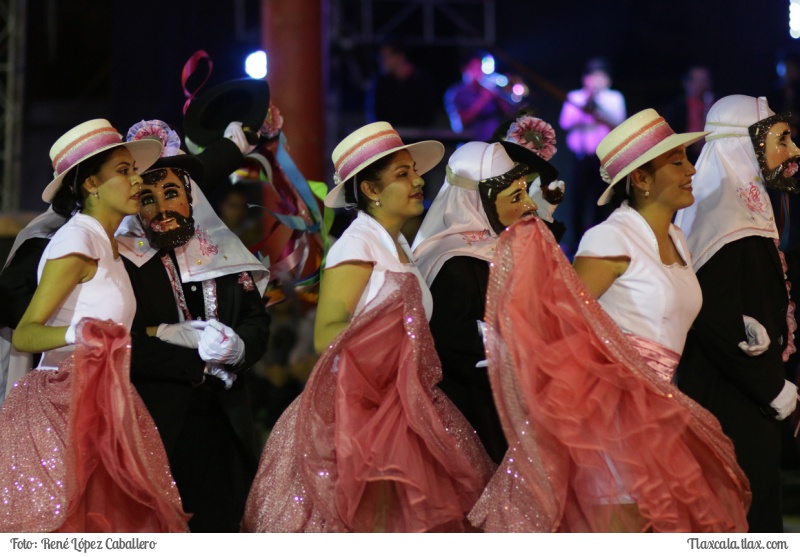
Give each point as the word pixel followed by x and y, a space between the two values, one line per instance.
pixel 599 442
pixel 78 449
pixel 372 445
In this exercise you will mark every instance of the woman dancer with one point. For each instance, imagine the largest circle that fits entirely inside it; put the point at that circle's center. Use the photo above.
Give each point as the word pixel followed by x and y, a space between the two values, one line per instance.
pixel 600 438
pixel 636 263
pixel 104 468
pixel 484 192
pixel 371 444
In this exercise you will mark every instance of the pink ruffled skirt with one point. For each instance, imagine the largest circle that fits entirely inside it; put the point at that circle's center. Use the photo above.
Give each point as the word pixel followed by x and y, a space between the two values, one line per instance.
pixel 78 450
pixel 600 441
pixel 372 445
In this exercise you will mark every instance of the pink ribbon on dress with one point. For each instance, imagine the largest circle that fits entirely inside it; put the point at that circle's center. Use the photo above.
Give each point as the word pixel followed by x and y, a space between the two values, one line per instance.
pixel 661 359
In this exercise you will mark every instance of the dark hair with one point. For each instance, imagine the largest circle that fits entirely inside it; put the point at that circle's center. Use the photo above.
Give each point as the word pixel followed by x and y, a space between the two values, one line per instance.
pixel 619 193
pixel 597 65
pixel 395 45
pixel 468 55
pixel 70 195
pixel 370 173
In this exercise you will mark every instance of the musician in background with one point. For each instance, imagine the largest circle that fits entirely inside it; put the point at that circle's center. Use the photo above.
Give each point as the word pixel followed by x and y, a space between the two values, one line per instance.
pixel 476 106
pixel 588 115
pixel 688 112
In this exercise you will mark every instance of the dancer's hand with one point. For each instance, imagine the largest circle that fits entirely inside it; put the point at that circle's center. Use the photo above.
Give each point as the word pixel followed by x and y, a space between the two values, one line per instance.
pixel 786 401
pixel 757 337
pixel 186 334
pixel 219 344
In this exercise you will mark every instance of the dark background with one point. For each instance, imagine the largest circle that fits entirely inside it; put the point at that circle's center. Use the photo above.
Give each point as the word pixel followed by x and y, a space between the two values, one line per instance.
pixel 122 60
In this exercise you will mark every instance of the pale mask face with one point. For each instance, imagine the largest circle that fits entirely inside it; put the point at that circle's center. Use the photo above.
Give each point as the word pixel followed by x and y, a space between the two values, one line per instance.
pixel 166 211
pixel 514 203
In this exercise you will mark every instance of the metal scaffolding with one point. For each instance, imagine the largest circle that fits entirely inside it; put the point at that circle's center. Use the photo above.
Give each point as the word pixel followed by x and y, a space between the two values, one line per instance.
pixel 467 23
pixel 12 52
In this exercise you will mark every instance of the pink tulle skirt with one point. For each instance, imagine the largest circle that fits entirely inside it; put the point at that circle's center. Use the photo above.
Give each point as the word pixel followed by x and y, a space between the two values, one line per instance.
pixel 78 450
pixel 372 445
pixel 600 441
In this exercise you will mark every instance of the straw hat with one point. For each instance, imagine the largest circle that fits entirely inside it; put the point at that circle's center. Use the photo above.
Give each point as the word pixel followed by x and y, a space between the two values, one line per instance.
pixel 370 143
pixel 636 141
pixel 91 138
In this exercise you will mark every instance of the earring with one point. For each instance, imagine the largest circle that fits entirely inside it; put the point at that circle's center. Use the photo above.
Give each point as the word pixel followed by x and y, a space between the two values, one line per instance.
pixel 377 202
pixel 647 193
pixel 96 194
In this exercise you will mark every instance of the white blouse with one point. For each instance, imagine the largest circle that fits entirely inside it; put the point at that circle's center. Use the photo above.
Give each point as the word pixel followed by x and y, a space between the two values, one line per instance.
pixel 107 295
pixel 365 240
pixel 652 300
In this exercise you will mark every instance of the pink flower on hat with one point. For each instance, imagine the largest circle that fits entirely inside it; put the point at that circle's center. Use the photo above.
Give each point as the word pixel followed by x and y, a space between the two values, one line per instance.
pixel 534 134
pixel 156 129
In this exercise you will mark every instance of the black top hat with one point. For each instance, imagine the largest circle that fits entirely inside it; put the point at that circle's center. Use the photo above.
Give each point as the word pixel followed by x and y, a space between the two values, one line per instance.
pixel 240 100
pixel 189 163
pixel 534 162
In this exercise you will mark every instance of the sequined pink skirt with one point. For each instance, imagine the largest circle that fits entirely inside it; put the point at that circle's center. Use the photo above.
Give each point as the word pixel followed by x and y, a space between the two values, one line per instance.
pixel 599 440
pixel 372 444
pixel 79 451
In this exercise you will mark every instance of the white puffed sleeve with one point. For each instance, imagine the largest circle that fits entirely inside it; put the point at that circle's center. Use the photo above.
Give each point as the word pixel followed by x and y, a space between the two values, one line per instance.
pixel 604 240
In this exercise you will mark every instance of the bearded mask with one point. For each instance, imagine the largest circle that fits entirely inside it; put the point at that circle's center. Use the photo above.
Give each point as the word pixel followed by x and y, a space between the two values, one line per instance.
pixel 166 211
pixel 783 176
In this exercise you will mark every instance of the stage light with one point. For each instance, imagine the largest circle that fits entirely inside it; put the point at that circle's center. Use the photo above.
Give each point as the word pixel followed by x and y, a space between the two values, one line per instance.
pixel 256 65
pixel 794 19
pixel 487 64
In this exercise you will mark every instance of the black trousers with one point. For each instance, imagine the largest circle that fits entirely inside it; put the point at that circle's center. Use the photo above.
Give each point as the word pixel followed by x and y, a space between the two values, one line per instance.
pixel 210 467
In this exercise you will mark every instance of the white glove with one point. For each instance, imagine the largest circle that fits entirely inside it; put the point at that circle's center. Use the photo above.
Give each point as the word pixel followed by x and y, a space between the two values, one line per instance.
pixel 228 377
pixel 235 133
pixel 186 334
pixel 69 336
pixel 482 330
pixel 219 344
pixel 757 337
pixel 545 209
pixel 786 401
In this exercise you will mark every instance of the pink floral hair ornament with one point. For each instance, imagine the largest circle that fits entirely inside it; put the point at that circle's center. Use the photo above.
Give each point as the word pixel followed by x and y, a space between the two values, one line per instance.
pixel 273 123
pixel 157 129
pixel 534 134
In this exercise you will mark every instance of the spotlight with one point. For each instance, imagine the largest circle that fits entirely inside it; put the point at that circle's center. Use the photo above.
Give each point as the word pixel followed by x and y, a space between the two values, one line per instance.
pixel 256 65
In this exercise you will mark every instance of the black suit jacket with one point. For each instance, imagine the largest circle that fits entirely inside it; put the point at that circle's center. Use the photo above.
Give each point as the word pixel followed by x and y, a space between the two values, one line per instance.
pixel 165 374
pixel 745 277
pixel 459 301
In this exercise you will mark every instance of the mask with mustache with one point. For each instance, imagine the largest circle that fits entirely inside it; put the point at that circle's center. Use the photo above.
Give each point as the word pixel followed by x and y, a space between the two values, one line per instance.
pixel 783 177
pixel 169 239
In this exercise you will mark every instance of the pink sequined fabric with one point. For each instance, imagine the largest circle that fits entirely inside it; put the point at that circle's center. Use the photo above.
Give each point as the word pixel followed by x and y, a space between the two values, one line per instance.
pixel 78 450
pixel 372 445
pixel 791 322
pixel 599 442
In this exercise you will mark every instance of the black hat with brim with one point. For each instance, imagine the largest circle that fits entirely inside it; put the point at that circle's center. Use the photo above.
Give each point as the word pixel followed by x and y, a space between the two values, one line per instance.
pixel 191 164
pixel 240 100
pixel 534 162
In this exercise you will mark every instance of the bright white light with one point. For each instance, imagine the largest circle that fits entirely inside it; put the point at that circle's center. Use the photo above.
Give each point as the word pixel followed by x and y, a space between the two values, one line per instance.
pixel 256 65
pixel 487 64
pixel 794 19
